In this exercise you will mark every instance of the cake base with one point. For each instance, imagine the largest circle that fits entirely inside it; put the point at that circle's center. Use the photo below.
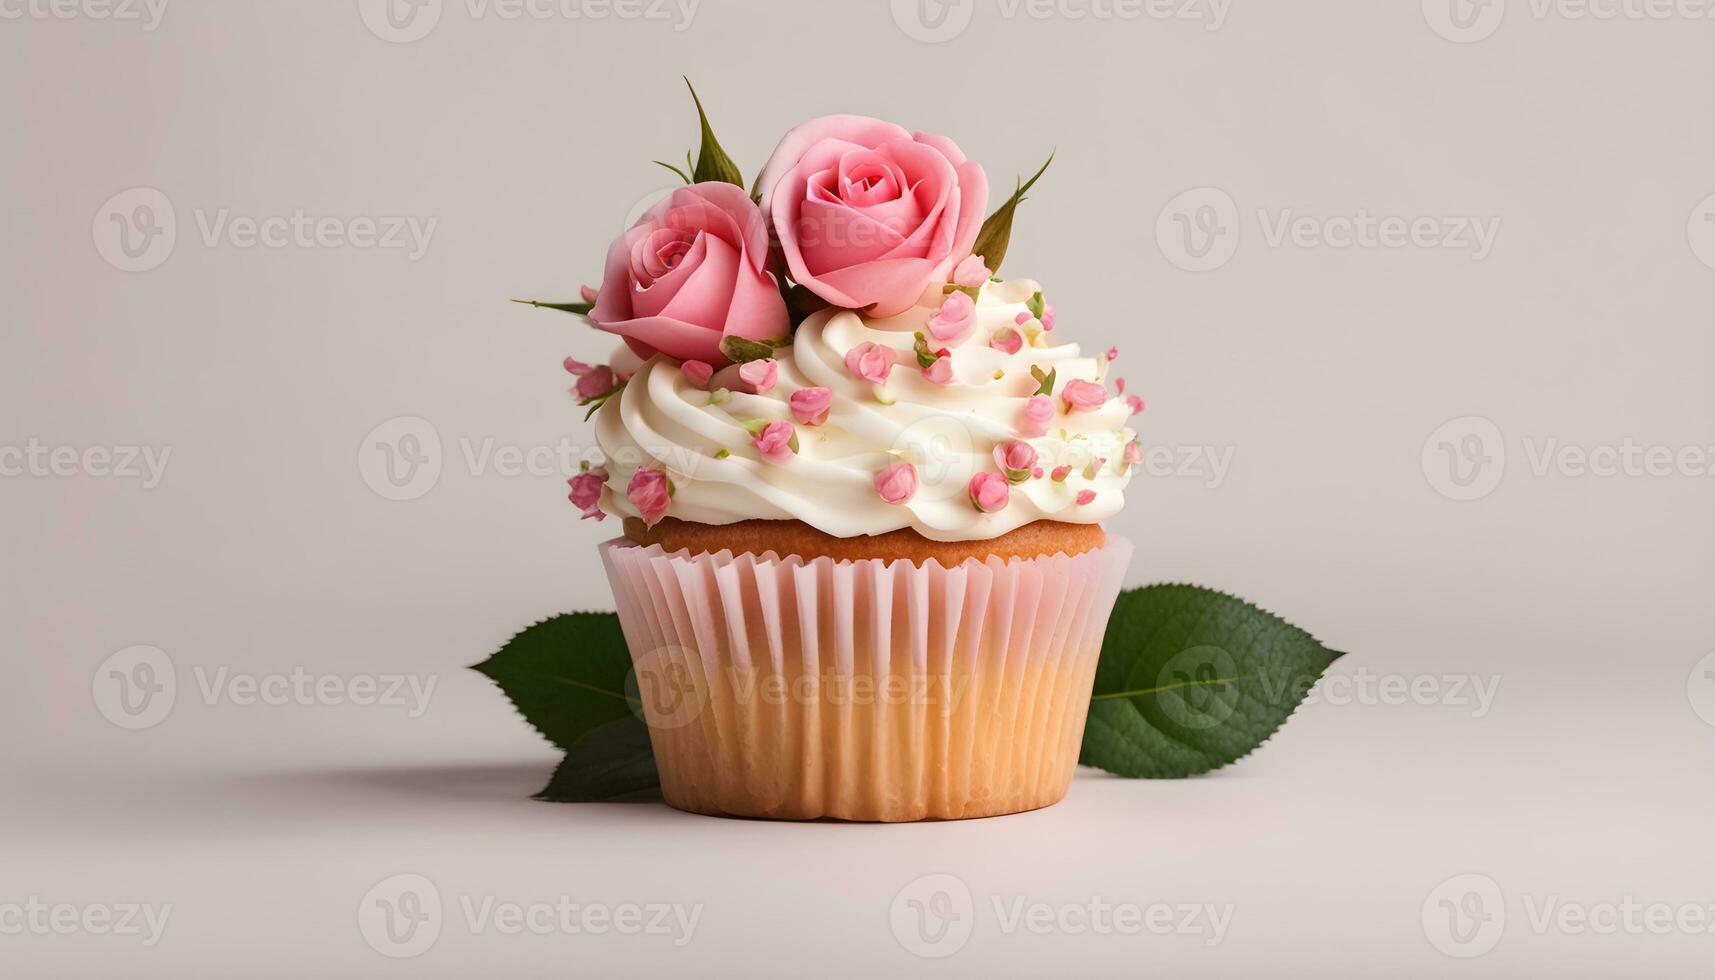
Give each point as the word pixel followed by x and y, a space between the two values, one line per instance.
pixel 785 538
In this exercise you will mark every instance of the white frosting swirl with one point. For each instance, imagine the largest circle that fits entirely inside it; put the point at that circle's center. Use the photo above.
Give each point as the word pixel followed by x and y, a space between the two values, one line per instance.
pixel 948 431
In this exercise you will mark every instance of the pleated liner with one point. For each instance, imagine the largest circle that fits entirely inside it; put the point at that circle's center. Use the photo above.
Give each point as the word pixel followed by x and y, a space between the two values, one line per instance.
pixel 864 690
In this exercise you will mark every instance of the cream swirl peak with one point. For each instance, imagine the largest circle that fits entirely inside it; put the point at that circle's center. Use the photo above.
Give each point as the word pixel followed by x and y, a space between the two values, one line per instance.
pixel 995 423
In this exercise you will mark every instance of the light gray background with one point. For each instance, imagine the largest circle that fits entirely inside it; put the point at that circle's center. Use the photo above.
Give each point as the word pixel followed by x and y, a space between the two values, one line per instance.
pixel 1324 371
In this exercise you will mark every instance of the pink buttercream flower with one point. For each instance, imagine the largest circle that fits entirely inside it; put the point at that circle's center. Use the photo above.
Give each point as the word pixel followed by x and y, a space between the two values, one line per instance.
pixel 1061 473
pixel 777 441
pixel 650 491
pixel 698 373
pixel 1039 411
pixel 1084 396
pixel 759 376
pixel 691 272
pixel 1135 403
pixel 957 314
pixel 971 273
pixel 586 493
pixel 1086 497
pixel 989 491
pixel 810 405
pixel 871 362
pixel 869 214
pixel 940 372
pixel 1007 341
pixel 1048 318
pixel 897 484
pixel 1016 459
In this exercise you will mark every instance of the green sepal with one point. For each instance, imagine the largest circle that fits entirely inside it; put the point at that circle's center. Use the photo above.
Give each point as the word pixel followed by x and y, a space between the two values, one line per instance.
pixel 580 309
pixel 996 232
pixel 713 164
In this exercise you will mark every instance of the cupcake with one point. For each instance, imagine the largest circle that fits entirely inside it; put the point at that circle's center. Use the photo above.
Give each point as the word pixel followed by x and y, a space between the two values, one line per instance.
pixel 863 574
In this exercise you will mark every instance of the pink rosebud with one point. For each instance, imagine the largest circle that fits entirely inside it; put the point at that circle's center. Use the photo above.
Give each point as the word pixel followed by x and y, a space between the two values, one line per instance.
pixel 650 491
pixel 940 372
pixel 957 314
pixel 990 491
pixel 870 362
pixel 588 293
pixel 1061 473
pixel 1048 318
pixel 1022 319
pixel 971 273
pixel 1036 474
pixel 1120 384
pixel 598 382
pixel 1134 453
pixel 759 376
pixel 577 367
pixel 1086 497
pixel 586 493
pixel 1007 341
pixel 1016 459
pixel 1113 354
pixel 810 405
pixel 1039 411
pixel 777 441
pixel 1135 403
pixel 1084 396
pixel 698 373
pixel 897 484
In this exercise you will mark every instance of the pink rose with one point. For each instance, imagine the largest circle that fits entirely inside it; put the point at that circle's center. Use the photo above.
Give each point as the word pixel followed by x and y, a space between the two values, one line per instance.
pixel 870 215
pixel 758 377
pixel 1039 411
pixel 698 373
pixel 971 273
pixel 650 491
pixel 990 491
pixel 810 405
pixel 586 493
pixel 690 272
pixel 897 484
pixel 1017 459
pixel 1084 396
pixel 777 441
pixel 940 372
pixel 958 312
pixel 870 362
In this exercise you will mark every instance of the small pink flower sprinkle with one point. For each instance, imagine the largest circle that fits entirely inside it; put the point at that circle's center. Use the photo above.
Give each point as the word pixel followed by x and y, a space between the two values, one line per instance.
pixel 1022 319
pixel 586 493
pixel 990 492
pixel 588 293
pixel 650 491
pixel 1086 497
pixel 957 314
pixel 1135 403
pixel 1016 459
pixel 1036 474
pixel 1134 453
pixel 1007 341
pixel 1084 396
pixel 971 273
pixel 1048 318
pixel 775 441
pixel 1039 411
pixel 897 484
pixel 759 376
pixel 870 362
pixel 1061 473
pixel 598 382
pixel 698 373
pixel 1113 354
pixel 1120 384
pixel 810 405
pixel 940 372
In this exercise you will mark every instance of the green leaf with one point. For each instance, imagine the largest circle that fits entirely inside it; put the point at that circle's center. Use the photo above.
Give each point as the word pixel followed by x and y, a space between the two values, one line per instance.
pixel 1047 380
pixel 712 162
pixel 740 350
pixel 581 309
pixel 996 232
pixel 801 303
pixel 1191 680
pixel 612 763
pixel 1036 304
pixel 566 675
pixel 681 174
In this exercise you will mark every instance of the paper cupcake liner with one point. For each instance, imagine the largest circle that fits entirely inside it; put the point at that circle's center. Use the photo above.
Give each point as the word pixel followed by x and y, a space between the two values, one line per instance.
pixel 863 690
